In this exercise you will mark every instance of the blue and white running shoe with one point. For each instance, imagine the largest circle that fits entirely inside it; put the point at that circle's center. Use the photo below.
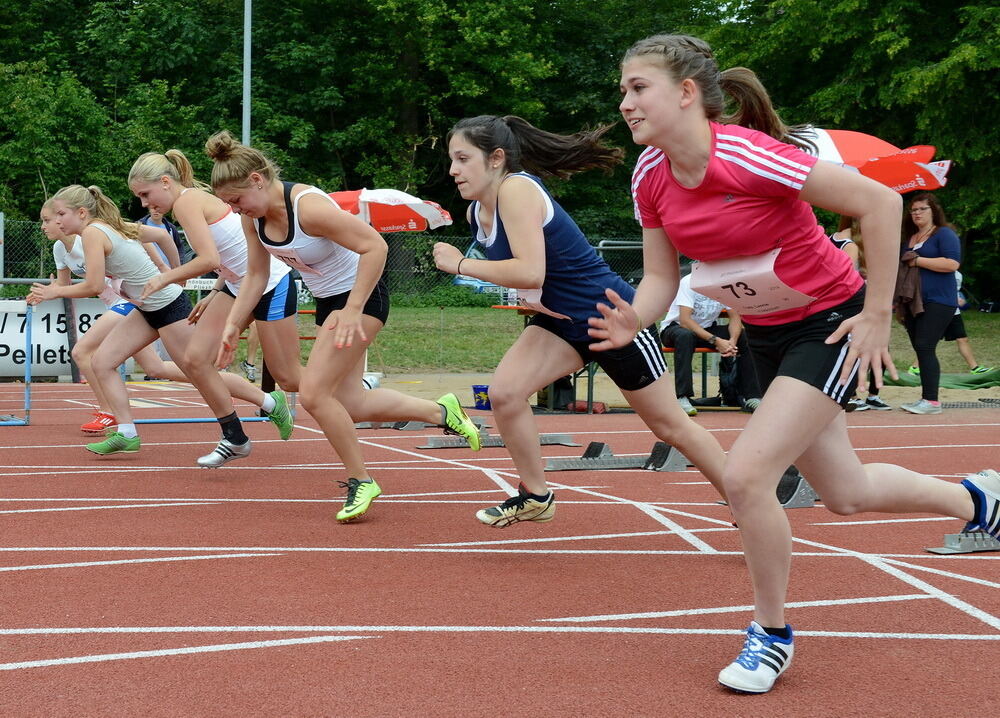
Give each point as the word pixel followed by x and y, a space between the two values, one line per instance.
pixel 985 490
pixel 764 657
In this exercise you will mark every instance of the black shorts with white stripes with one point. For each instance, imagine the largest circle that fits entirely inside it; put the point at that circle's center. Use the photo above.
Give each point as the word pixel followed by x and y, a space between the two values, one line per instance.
pixel 798 350
pixel 631 367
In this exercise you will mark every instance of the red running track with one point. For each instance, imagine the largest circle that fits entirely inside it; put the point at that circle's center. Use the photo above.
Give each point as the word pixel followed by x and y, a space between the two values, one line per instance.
pixel 141 585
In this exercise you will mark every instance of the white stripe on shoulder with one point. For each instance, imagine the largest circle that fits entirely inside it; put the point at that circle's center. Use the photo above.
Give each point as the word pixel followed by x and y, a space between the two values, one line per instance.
pixel 754 169
pixel 762 160
pixel 650 158
pixel 790 163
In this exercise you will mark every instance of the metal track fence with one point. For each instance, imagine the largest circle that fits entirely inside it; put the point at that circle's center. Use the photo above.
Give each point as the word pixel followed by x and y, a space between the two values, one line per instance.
pixel 25 253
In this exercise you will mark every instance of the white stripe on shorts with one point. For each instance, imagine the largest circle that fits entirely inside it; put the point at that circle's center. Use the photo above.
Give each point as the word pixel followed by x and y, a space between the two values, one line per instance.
pixel 831 388
pixel 649 345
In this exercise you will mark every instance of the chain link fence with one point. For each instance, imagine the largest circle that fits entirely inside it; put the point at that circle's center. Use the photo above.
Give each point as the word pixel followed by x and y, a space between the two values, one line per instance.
pixel 25 253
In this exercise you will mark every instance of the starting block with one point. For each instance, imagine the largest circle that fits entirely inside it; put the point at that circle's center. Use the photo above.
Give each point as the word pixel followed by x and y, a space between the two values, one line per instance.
pixel 487 441
pixel 967 542
pixel 412 425
pixel 794 492
pixel 599 455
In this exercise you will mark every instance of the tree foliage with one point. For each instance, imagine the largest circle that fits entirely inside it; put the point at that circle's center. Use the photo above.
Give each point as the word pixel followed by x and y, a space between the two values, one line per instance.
pixel 363 92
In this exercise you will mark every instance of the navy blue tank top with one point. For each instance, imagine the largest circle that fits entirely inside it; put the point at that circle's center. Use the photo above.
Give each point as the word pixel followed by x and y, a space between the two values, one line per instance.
pixel 575 275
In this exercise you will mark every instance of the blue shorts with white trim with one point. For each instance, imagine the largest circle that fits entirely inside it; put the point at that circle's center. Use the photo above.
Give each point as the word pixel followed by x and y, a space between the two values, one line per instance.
pixel 281 302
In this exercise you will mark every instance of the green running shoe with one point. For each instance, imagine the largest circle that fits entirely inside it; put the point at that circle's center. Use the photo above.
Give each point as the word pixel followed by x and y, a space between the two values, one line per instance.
pixel 360 495
pixel 914 370
pixel 115 443
pixel 980 369
pixel 456 421
pixel 280 416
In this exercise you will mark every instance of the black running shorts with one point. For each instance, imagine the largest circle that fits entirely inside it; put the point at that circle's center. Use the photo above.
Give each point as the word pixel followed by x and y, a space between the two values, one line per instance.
pixel 177 310
pixel 631 367
pixel 377 305
pixel 798 350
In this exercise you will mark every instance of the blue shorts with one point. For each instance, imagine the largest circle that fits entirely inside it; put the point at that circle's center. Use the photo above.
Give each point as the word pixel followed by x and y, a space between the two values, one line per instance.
pixel 279 303
pixel 123 308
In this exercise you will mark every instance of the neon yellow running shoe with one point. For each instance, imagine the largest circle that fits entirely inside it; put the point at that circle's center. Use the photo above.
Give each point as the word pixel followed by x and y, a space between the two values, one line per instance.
pixel 456 421
pixel 360 495
pixel 115 443
pixel 280 416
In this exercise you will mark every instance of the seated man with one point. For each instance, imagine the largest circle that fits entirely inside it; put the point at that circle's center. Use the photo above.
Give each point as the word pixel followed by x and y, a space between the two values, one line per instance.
pixel 692 322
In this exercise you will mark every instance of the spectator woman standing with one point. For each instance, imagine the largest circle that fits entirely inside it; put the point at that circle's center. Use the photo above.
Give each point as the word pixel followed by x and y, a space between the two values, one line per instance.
pixel 931 245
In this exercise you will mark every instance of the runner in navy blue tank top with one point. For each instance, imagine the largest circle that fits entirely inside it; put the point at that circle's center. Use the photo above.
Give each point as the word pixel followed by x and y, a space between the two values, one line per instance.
pixel 532 245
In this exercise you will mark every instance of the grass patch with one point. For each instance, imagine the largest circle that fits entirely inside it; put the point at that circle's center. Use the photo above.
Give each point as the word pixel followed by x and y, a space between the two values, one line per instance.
pixel 448 339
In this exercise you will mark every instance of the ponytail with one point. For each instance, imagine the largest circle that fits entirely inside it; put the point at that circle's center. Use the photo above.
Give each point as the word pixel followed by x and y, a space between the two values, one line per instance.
pixel 685 57
pixel 173 163
pixel 542 153
pixel 99 206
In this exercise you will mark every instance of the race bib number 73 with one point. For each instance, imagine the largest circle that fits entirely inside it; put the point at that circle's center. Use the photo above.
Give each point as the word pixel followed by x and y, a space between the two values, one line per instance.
pixel 747 284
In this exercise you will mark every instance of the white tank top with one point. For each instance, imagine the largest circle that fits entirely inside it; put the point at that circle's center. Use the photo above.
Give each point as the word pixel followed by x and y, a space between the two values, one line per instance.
pixel 129 262
pixel 326 267
pixel 231 243
pixel 73 260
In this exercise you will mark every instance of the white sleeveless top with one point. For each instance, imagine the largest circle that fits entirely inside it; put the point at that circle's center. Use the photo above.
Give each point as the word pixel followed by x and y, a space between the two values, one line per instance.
pixel 129 262
pixel 326 267
pixel 73 260
pixel 231 243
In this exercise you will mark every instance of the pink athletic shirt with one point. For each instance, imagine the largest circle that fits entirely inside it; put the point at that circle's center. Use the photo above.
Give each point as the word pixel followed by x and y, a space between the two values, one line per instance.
pixel 747 204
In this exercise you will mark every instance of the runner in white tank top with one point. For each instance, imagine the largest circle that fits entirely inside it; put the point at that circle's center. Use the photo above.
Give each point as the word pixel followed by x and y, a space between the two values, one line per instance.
pixel 69 259
pixel 342 258
pixel 165 183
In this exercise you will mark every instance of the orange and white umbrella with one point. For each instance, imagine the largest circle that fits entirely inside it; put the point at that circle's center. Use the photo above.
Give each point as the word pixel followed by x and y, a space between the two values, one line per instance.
pixel 390 210
pixel 904 170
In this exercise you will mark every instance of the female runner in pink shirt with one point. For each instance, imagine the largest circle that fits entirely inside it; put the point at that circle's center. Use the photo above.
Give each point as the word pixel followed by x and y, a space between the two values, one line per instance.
pixel 738 200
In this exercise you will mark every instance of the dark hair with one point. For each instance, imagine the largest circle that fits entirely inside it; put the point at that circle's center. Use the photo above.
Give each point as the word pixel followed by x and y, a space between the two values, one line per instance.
pixel 684 57
pixel 540 152
pixel 909 227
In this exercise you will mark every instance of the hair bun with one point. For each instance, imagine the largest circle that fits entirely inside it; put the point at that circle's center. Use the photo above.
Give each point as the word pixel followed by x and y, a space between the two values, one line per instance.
pixel 220 146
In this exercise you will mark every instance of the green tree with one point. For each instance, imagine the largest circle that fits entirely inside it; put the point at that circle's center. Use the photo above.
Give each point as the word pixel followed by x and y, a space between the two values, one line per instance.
pixel 53 132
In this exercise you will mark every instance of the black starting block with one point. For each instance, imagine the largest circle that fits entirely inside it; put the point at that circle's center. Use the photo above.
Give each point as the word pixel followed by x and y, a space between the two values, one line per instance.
pixel 412 425
pixel 794 492
pixel 599 455
pixel 487 441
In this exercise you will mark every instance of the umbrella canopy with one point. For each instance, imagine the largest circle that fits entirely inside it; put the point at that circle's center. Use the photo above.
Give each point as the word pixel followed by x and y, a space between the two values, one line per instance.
pixel 904 170
pixel 389 210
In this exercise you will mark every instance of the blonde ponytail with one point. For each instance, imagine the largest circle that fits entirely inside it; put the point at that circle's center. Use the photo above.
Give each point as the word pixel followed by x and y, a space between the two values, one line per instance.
pixel 99 206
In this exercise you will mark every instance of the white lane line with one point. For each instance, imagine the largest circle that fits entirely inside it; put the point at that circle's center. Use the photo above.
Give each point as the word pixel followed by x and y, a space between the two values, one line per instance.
pixel 120 562
pixel 98 508
pixel 532 552
pixel 549 538
pixel 187 650
pixel 883 521
pixel 650 630
pixel 944 597
pixel 734 609
pixel 651 511
pixel 939 572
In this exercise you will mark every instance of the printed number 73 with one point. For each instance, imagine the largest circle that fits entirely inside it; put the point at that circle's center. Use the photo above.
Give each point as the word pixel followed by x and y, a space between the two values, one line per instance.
pixel 741 286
